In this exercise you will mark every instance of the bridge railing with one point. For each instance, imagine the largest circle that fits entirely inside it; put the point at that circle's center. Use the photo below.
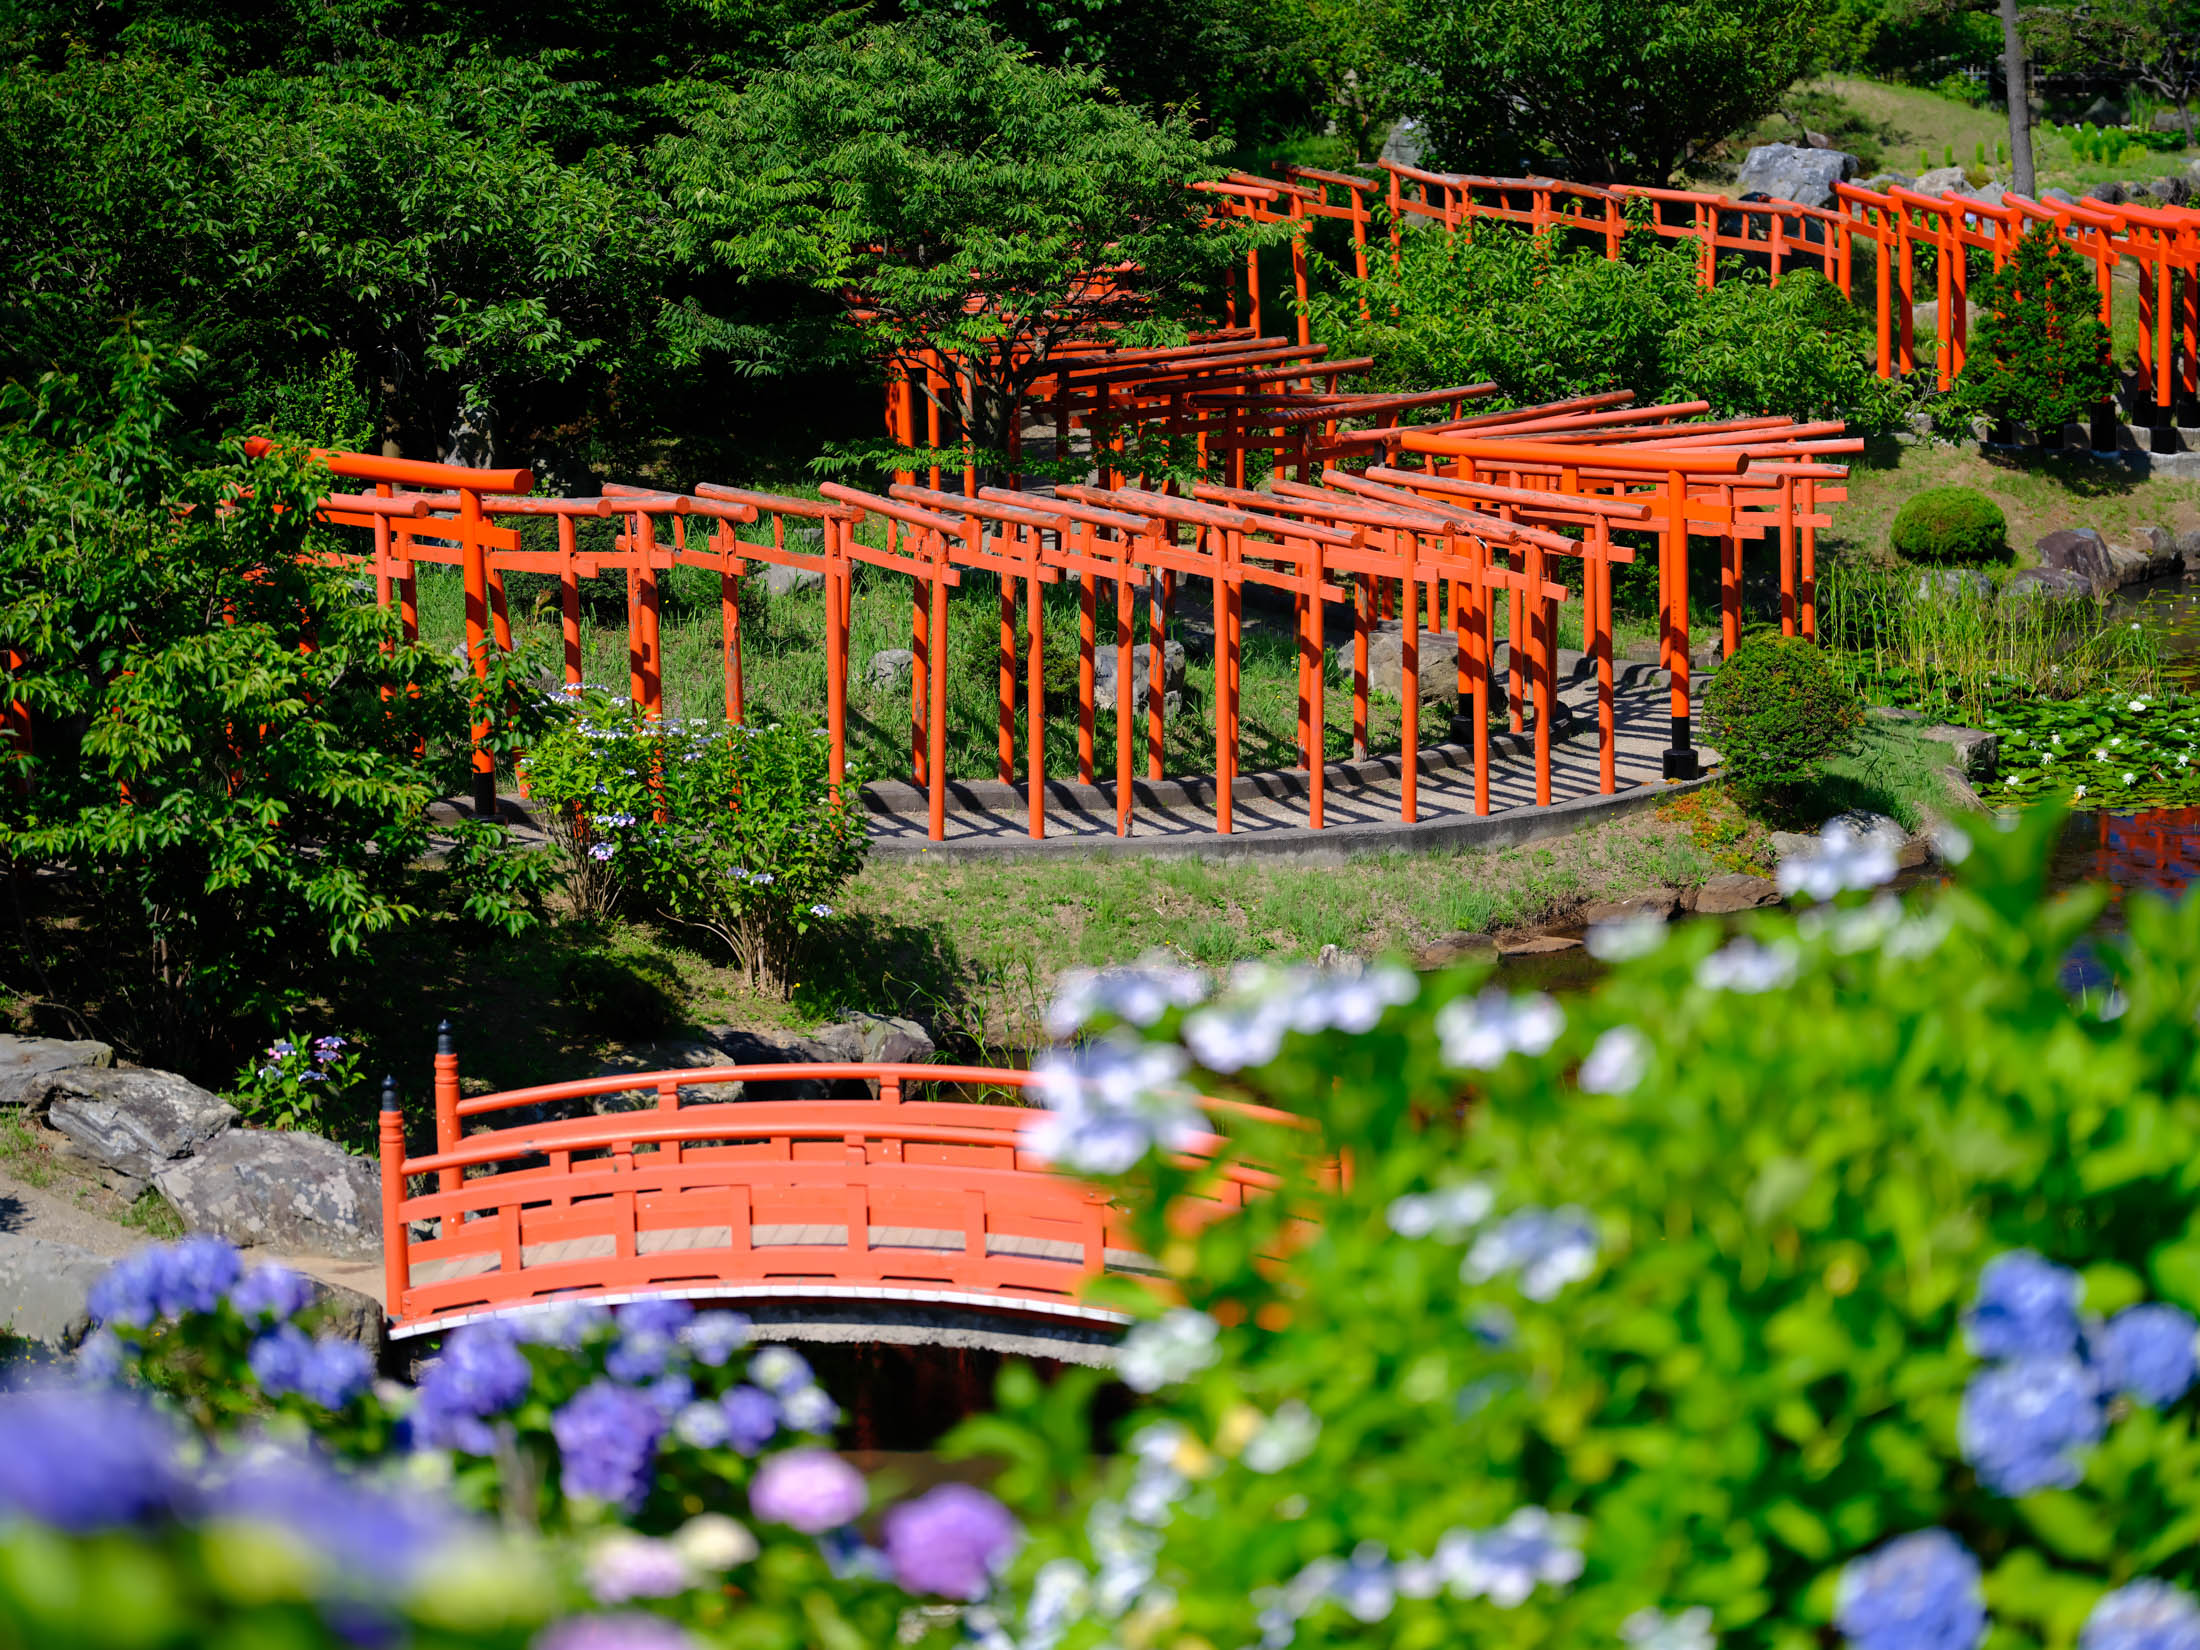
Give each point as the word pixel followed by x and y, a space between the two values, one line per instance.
pixel 886 1199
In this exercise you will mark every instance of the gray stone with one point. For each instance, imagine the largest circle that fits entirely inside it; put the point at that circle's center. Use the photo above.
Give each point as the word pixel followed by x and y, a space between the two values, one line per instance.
pixel 1789 173
pixel 880 1037
pixel 2082 551
pixel 1734 891
pixel 672 1054
pixel 1881 182
pixel 1438 664
pixel 2038 583
pixel 779 580
pixel 1955 581
pixel 2192 170
pixel 1172 677
pixel 2108 194
pixel 2130 565
pixel 890 667
pixel 2188 549
pixel 2173 190
pixel 129 1125
pixel 1537 945
pixel 1939 180
pixel 26 1062
pixel 1925 317
pixel 2062 197
pixel 287 1190
pixel 348 1314
pixel 1866 826
pixel 1460 947
pixel 1977 752
pixel 2103 111
pixel 1403 145
pixel 1661 905
pixel 2168 120
pixel 43 1286
pixel 1788 844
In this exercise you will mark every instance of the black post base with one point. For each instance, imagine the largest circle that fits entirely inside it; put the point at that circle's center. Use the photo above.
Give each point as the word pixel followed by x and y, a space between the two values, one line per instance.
pixel 2107 428
pixel 485 795
pixel 1680 761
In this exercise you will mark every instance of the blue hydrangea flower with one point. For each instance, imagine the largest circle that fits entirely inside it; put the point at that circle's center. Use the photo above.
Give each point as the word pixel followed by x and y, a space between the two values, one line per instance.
pixel 2026 1307
pixel 1918 1592
pixel 607 1437
pixel 2149 1352
pixel 271 1291
pixel 364 1532
pixel 670 1393
pixel 99 1360
pixel 480 1372
pixel 714 1337
pixel 655 1316
pixel 2144 1615
pixel 2023 1421
pixel 752 1416
pixel 702 1426
pixel 165 1280
pixel 329 1371
pixel 82 1460
pixel 640 1355
pixel 809 1409
pixel 562 1324
pixel 780 1370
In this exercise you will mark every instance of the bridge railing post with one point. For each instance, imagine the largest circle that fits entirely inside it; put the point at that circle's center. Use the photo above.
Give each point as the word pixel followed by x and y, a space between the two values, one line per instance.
pixel 396 1262
pixel 446 1102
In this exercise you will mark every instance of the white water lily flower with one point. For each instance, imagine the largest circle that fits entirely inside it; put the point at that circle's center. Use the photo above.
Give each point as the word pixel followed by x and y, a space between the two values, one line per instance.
pixel 2138 704
pixel 2129 778
pixel 2080 791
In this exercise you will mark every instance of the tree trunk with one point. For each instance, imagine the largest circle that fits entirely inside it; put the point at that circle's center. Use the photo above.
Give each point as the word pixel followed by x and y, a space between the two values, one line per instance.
pixel 2020 103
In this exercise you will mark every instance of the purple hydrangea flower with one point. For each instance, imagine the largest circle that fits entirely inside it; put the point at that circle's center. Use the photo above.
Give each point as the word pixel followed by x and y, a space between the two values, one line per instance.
pixel 99 1360
pixel 480 1372
pixel 752 1416
pixel 670 1393
pixel 714 1337
pixel 655 1316
pixel 627 1630
pixel 949 1541
pixel 165 1280
pixel 811 1490
pixel 362 1530
pixel 2143 1615
pixel 1918 1592
pixel 2021 1422
pixel 607 1436
pixel 2149 1352
pixel 329 1371
pixel 84 1460
pixel 2026 1307
pixel 271 1291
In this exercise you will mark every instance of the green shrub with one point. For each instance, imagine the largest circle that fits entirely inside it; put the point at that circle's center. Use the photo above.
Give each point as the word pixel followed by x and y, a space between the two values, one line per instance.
pixel 2039 353
pixel 734 831
pixel 1776 710
pixel 1949 524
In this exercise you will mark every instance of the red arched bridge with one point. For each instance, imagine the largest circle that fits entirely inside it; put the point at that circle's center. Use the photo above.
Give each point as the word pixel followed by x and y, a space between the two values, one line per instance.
pixel 886 1208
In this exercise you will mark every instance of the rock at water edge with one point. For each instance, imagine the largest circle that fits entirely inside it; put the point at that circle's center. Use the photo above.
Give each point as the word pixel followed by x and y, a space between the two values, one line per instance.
pixel 1734 891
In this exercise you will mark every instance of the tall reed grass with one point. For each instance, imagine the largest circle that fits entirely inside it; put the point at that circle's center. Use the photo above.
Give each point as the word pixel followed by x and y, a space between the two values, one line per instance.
pixel 1934 637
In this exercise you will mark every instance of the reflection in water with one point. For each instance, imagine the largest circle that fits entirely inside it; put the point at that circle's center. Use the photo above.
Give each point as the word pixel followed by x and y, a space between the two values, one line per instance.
pixel 2170 611
pixel 2157 848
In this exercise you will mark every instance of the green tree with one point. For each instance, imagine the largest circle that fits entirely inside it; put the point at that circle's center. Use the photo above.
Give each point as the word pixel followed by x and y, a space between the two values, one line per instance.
pixel 1604 91
pixel 2039 353
pixel 957 196
pixel 222 792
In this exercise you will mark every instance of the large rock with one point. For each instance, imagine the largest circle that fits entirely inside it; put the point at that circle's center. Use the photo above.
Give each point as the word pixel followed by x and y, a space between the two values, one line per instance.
pixel 890 667
pixel 1788 173
pixel 26 1062
pixel 1172 675
pixel 279 1188
pixel 2044 583
pixel 1734 891
pixel 2082 551
pixel 2108 194
pixel 2172 190
pixel 2188 549
pixel 781 580
pixel 1939 180
pixel 1977 752
pixel 1459 947
pixel 1403 146
pixel 43 1286
pixel 879 1037
pixel 1438 664
pixel 130 1125
pixel 1659 906
pixel 348 1314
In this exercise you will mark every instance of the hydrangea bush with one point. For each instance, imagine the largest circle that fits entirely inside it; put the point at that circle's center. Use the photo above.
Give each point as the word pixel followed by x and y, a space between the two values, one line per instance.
pixel 643 1479
pixel 1831 1276
pixel 732 830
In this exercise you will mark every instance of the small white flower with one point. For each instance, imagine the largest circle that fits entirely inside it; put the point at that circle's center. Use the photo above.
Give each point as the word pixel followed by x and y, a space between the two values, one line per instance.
pixel 1448 1214
pixel 2080 791
pixel 1655 1630
pixel 1109 1103
pixel 1627 939
pixel 2138 704
pixel 1284 1439
pixel 1617 1063
pixel 712 1541
pixel 2130 778
pixel 1844 859
pixel 1549 1248
pixel 1745 966
pixel 1172 1348
pixel 1478 1033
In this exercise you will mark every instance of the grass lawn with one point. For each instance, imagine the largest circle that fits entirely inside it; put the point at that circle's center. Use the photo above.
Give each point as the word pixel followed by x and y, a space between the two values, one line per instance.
pixel 2038 494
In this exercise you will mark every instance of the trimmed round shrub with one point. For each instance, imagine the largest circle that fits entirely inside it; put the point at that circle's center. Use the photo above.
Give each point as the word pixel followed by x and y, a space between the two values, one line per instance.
pixel 1947 524
pixel 1776 710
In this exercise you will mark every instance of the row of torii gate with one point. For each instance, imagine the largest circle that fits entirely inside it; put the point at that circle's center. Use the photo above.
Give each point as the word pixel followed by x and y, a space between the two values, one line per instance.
pixel 1479 523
